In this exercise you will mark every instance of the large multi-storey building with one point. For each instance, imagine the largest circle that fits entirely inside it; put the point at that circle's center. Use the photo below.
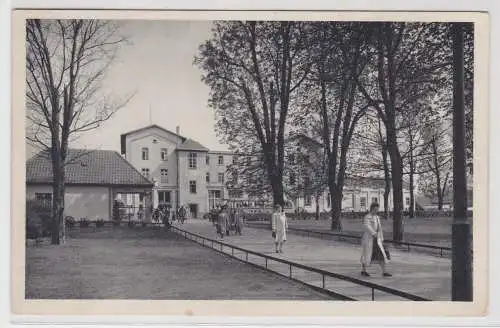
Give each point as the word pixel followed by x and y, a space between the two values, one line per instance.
pixel 183 171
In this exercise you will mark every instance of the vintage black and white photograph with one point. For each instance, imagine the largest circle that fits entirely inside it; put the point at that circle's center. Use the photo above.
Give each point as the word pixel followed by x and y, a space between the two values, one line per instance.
pixel 271 160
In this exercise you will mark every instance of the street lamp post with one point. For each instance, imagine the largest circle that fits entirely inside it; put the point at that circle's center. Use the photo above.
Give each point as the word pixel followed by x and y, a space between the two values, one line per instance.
pixel 461 230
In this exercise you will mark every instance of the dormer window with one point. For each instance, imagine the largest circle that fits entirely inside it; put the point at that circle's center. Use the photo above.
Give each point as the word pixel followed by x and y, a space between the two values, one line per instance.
pixel 145 153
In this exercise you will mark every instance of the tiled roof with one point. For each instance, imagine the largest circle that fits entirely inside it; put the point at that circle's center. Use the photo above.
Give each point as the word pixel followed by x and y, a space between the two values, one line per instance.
pixel 93 167
pixel 190 144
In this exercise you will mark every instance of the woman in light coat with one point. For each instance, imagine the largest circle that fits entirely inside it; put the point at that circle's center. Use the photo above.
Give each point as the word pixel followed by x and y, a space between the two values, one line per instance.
pixel 372 242
pixel 279 226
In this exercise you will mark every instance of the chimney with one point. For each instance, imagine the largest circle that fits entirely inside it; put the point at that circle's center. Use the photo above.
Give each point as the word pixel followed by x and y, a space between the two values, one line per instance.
pixel 177 130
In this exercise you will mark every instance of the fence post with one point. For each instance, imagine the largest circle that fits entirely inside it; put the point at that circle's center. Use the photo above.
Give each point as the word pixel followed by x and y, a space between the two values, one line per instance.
pixel 323 275
pixel 246 256
pixel 290 270
pixel 373 294
pixel 266 262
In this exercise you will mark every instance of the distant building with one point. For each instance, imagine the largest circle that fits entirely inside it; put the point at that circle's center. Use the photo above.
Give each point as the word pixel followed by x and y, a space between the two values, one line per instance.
pixel 358 192
pixel 94 179
pixel 183 171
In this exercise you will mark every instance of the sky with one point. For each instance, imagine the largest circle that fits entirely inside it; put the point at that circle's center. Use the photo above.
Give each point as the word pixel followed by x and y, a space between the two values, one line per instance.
pixel 157 67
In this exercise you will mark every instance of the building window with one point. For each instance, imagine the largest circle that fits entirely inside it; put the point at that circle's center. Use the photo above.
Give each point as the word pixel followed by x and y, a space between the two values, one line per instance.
pixel 374 200
pixel 208 177
pixel 145 154
pixel 164 154
pixel 192 186
pixel 362 202
pixel 221 160
pixel 145 172
pixel 307 201
pixel 208 160
pixel 164 175
pixel 407 201
pixel 292 178
pixel 192 160
pixel 234 159
pixel 45 199
pixel 220 178
pixel 328 200
pixel 164 197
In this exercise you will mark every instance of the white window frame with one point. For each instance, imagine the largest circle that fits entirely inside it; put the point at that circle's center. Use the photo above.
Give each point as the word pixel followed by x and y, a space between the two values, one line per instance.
pixel 192 183
pixel 219 175
pixel 164 175
pixel 145 172
pixel 219 162
pixel 192 160
pixel 145 153
pixel 164 154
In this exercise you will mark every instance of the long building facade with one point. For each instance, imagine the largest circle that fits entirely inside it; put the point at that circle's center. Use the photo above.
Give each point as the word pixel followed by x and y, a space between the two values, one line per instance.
pixel 186 173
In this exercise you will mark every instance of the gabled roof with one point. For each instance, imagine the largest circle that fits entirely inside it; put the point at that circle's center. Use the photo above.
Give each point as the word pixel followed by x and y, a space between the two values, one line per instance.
pixel 123 144
pixel 87 167
pixel 190 144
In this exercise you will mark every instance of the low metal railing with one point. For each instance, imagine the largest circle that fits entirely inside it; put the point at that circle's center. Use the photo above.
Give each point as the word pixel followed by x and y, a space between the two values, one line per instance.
pixel 219 246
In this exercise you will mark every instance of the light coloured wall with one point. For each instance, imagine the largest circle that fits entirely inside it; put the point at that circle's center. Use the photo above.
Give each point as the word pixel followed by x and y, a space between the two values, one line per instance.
pixel 135 142
pixel 349 203
pixel 199 175
pixel 89 202
pixel 214 169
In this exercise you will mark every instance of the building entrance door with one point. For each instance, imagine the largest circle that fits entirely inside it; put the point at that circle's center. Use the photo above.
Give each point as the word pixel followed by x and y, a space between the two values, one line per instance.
pixel 193 208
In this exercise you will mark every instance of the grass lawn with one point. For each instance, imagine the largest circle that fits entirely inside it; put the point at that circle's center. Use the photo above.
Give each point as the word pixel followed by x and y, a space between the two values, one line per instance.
pixel 147 263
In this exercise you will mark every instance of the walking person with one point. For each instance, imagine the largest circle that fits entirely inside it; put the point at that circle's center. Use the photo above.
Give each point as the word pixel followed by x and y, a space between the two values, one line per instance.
pixel 372 242
pixel 279 227
pixel 238 221
pixel 223 219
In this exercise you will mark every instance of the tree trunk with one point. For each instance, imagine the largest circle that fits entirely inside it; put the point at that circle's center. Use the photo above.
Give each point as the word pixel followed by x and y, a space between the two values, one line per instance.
pixel 397 184
pixel 58 199
pixel 336 211
pixel 317 206
pixel 411 210
pixel 387 179
pixel 277 188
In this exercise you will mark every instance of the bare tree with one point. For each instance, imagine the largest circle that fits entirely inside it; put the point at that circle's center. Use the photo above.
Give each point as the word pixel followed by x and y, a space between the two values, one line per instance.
pixel 66 62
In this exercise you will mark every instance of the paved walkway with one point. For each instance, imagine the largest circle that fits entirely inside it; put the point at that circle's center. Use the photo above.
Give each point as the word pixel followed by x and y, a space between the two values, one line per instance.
pixel 419 274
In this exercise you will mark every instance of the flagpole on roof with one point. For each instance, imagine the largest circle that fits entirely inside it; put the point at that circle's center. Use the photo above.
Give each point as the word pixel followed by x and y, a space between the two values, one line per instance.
pixel 150 116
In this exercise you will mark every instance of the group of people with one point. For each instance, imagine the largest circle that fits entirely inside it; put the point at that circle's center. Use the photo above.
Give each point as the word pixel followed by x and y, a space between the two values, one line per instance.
pixel 166 214
pixel 226 219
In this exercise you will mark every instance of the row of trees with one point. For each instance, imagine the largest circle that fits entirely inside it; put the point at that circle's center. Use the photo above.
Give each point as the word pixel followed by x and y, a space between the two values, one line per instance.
pixel 376 95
